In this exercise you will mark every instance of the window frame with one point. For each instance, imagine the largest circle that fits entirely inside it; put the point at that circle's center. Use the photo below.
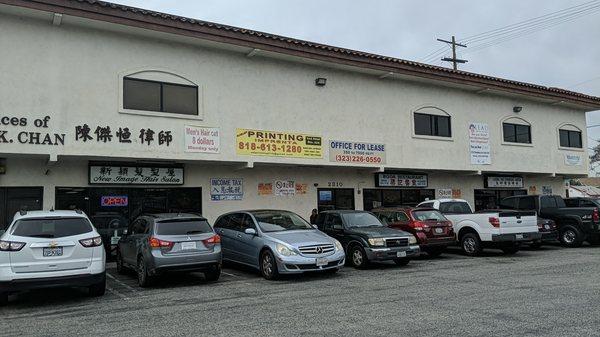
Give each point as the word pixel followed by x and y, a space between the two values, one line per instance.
pixel 569 146
pixel 515 142
pixel 161 98
pixel 433 125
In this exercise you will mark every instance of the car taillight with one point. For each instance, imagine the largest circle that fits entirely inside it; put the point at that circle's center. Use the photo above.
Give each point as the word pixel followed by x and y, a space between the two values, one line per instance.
pixel 418 225
pixel 91 242
pixel 212 240
pixel 11 246
pixel 495 222
pixel 158 243
pixel 595 215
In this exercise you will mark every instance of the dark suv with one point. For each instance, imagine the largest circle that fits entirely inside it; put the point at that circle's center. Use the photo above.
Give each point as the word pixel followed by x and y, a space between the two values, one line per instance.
pixel 366 239
pixel 157 243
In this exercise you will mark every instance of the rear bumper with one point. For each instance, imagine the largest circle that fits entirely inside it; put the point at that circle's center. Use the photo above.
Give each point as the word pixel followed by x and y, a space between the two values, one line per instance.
pixel 437 243
pixel 549 236
pixel 516 237
pixel 388 254
pixel 52 282
pixel 189 262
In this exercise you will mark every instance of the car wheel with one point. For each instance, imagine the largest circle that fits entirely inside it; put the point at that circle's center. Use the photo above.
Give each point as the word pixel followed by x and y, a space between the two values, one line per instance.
pixel 213 274
pixel 510 250
pixel 120 266
pixel 536 245
pixel 268 266
pixel 98 289
pixel 144 280
pixel 402 262
pixel 470 244
pixel 358 257
pixel 3 299
pixel 570 237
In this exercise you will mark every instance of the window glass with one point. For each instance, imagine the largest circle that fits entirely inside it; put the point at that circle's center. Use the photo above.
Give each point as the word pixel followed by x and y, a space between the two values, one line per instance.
pixel 159 96
pixel 141 95
pixel 235 221
pixel 388 217
pixel 320 220
pixel 180 99
pixel 222 222
pixel 560 202
pixel 564 138
pixel 443 126
pixel 509 203
pixel 523 134
pixel 426 204
pixel 548 202
pixel 572 202
pixel 509 132
pixel 51 227
pixel 527 203
pixel 432 125
pixel 247 223
pixel 361 219
pixel 182 227
pixel 570 138
pixel 516 133
pixel 277 221
pixel 429 215
pixel 423 124
pixel 455 207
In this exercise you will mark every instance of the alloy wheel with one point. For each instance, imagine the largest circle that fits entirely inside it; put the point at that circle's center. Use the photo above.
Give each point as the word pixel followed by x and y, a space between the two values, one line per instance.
pixel 267 265
pixel 357 257
pixel 469 245
pixel 569 236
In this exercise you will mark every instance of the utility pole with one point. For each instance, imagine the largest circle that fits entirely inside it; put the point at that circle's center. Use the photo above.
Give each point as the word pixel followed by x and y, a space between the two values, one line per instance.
pixel 454 60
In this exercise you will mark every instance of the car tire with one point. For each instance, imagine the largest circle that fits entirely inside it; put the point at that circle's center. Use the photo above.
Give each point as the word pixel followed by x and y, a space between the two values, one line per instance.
pixel 3 299
pixel 357 257
pixel 571 237
pixel 120 266
pixel 536 245
pixel 401 262
pixel 213 274
pixel 144 279
pixel 268 266
pixel 470 244
pixel 510 250
pixel 98 289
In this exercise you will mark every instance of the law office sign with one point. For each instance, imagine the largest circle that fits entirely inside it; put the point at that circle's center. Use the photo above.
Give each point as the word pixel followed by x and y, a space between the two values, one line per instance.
pixel 135 175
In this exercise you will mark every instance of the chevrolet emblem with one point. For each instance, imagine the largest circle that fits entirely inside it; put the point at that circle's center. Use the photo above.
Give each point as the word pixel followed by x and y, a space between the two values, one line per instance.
pixel 53 244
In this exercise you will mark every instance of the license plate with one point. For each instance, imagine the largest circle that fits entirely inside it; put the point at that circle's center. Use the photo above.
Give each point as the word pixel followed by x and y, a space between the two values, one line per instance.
pixel 519 236
pixel 547 226
pixel 49 252
pixel 188 245
pixel 321 262
pixel 439 230
pixel 401 254
pixel 114 240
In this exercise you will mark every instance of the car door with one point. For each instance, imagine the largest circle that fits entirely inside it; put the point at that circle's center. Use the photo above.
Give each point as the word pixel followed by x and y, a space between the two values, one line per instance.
pixel 334 227
pixel 125 245
pixel 249 244
pixel 223 228
pixel 231 236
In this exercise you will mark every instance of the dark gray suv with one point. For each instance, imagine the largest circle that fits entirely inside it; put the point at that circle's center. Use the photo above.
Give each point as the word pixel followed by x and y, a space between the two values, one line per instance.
pixel 157 243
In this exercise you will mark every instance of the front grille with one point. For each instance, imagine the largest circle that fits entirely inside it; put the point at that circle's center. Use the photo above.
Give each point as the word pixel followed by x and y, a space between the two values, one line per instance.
pixel 398 242
pixel 316 249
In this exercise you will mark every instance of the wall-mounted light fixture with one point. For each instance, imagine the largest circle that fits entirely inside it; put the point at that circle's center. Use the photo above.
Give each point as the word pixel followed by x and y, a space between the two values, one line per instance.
pixel 320 82
pixel 517 109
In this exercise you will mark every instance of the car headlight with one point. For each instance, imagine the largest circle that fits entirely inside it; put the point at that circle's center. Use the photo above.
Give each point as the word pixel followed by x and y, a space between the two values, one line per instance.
pixel 412 240
pixel 338 245
pixel 284 250
pixel 377 242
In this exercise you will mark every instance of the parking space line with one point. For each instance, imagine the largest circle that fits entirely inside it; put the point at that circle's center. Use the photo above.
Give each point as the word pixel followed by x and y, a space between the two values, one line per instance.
pixel 121 283
pixel 229 274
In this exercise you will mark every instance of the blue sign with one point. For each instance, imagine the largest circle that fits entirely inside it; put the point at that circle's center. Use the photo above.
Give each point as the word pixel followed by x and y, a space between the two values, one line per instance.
pixel 325 195
pixel 226 189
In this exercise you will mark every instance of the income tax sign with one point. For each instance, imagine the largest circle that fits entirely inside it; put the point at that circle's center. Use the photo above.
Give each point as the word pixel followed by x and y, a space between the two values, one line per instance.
pixel 356 153
pixel 278 144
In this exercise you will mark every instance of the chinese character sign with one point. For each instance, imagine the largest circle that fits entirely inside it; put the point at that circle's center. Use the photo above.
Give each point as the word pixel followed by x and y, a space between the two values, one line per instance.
pixel 126 175
pixel 226 189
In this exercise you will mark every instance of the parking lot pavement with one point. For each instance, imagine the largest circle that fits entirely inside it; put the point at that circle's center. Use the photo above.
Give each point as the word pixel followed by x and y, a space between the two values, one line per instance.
pixel 550 292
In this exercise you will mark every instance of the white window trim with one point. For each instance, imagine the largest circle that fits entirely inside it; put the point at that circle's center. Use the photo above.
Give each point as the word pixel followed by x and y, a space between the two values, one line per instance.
pixel 437 112
pixel 570 127
pixel 522 121
pixel 182 80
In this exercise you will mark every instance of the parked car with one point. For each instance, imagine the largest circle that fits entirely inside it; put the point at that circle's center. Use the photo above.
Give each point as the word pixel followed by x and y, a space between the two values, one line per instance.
pixel 582 202
pixel 111 226
pixel 277 242
pixel 575 224
pixel 489 229
pixel 432 229
pixel 166 242
pixel 549 232
pixel 366 239
pixel 45 249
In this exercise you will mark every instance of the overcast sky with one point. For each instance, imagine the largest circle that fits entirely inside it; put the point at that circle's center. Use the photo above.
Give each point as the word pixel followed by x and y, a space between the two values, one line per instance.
pixel 565 56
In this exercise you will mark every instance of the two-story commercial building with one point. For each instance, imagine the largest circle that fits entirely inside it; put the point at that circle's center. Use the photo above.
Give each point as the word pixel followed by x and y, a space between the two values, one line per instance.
pixel 120 111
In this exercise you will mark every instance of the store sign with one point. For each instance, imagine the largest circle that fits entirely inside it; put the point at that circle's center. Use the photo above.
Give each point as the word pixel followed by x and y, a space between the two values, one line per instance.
pixel 356 153
pixel 226 189
pixel 547 190
pixel 479 144
pixel 301 188
pixel 284 188
pixel 265 188
pixel 326 195
pixel 134 175
pixel 573 160
pixel 401 180
pixel 505 182
pixel 445 193
pixel 278 144
pixel 202 139
pixel 114 201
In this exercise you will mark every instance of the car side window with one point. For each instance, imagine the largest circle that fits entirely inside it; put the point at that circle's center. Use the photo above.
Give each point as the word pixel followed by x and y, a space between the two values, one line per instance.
pixel 548 202
pixel 401 216
pixel 427 204
pixel 222 222
pixel 527 203
pixel 235 222
pixel 138 226
pixel 320 222
pixel 336 222
pixel 247 222
pixel 508 203
pixel 586 203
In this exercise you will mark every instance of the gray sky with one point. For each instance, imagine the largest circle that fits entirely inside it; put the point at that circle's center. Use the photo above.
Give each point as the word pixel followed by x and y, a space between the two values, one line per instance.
pixel 565 56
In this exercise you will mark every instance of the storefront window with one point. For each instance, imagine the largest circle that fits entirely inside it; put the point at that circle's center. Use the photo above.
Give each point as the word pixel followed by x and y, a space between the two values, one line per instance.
pixel 14 199
pixel 335 198
pixel 375 198
pixel 490 198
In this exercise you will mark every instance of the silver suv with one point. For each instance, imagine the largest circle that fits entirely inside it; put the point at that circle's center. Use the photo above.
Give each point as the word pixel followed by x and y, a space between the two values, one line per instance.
pixel 42 249
pixel 158 243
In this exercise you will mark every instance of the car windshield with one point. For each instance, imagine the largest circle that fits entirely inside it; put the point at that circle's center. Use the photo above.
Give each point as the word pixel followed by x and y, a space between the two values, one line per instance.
pixel 51 227
pixel 455 207
pixel 182 227
pixel 275 221
pixel 361 219
pixel 429 215
pixel 388 217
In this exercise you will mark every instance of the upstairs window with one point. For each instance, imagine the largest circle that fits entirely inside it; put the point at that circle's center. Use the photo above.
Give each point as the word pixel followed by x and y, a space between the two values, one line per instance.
pixel 432 125
pixel 146 95
pixel 516 133
pixel 570 138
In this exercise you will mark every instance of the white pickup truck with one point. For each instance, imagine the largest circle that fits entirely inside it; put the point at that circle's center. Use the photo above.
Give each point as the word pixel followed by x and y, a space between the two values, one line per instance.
pixel 503 229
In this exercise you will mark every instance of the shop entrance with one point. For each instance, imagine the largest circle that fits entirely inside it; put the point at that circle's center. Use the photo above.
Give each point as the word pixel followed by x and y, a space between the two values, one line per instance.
pixel 490 199
pixel 14 199
pixel 335 198
pixel 378 197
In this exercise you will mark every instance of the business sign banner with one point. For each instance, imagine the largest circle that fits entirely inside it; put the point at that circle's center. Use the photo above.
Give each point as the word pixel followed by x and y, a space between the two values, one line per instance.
pixel 134 175
pixel 202 139
pixel 226 189
pixel 278 144
pixel 547 190
pixel 401 180
pixel 114 201
pixel 301 188
pixel 505 182
pixel 445 193
pixel 479 144
pixel 265 188
pixel 573 160
pixel 356 153
pixel 284 188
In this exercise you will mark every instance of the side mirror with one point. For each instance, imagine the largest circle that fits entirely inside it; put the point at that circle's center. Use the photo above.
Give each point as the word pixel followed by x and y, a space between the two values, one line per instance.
pixel 250 231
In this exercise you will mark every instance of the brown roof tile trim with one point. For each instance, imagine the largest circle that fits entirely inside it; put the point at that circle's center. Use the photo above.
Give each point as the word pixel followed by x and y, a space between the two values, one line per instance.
pixel 146 19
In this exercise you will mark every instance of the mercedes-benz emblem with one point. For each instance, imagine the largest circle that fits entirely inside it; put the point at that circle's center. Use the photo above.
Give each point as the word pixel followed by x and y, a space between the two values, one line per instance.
pixel 319 250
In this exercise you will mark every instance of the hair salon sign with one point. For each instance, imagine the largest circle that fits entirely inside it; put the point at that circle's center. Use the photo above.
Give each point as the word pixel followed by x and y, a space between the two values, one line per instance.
pixel 134 175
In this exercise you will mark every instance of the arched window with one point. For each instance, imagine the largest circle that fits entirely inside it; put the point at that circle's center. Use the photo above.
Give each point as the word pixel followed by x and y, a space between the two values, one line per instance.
pixel 432 121
pixel 516 130
pixel 160 92
pixel 570 136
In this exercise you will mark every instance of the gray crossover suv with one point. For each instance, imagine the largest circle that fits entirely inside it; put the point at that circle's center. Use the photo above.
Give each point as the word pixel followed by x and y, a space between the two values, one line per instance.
pixel 277 242
pixel 157 243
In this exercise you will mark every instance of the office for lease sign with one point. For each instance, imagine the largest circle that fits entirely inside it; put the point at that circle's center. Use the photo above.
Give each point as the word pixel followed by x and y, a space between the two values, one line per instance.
pixel 278 144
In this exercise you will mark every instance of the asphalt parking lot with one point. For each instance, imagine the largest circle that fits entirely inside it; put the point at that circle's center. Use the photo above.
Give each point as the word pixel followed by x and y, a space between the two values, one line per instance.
pixel 548 292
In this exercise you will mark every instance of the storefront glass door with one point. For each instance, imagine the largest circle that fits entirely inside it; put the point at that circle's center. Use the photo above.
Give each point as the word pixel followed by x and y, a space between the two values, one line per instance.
pixel 335 198
pixel 14 199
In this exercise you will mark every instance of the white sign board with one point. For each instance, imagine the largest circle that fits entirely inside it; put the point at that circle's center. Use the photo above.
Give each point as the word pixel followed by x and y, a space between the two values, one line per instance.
pixel 479 143
pixel 131 175
pixel 356 153
pixel 445 193
pixel 573 160
pixel 201 139
pixel 547 190
pixel 505 182
pixel 284 188
pixel 226 189
pixel 401 180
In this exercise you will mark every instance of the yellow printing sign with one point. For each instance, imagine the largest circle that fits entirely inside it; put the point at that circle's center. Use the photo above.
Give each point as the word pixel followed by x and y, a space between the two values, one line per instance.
pixel 278 144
